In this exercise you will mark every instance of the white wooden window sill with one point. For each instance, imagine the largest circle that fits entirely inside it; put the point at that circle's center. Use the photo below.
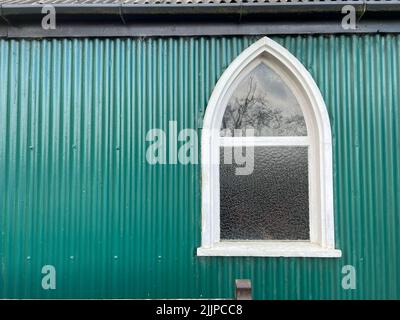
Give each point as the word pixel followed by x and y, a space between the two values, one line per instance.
pixel 269 249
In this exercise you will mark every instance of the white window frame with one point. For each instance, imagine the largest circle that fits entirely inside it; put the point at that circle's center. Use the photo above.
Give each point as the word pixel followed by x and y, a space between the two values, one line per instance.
pixel 318 140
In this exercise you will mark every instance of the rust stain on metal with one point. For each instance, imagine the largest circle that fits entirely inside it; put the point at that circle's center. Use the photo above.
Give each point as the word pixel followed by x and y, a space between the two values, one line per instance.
pixel 243 289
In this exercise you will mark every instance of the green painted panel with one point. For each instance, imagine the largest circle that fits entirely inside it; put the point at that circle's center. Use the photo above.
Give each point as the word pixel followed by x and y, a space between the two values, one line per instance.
pixel 76 191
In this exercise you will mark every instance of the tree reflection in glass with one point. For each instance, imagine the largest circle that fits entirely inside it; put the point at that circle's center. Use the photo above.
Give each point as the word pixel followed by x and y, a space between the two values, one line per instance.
pixel 263 102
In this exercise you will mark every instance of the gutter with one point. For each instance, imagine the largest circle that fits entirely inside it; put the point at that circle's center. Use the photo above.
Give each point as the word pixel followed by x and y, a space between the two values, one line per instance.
pixel 232 11
pixel 316 13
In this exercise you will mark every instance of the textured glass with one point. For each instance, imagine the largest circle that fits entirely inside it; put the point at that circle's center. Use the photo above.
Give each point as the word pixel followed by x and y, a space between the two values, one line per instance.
pixel 263 103
pixel 270 203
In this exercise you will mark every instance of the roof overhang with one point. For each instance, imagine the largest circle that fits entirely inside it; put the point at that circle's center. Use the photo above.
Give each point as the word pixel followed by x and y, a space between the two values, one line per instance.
pixel 106 20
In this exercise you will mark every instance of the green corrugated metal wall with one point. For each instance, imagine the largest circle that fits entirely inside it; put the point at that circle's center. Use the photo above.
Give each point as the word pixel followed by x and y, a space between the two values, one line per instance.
pixel 77 193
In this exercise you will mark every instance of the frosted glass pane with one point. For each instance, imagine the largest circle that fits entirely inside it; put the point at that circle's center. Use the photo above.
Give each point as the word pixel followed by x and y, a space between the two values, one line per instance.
pixel 271 203
pixel 263 102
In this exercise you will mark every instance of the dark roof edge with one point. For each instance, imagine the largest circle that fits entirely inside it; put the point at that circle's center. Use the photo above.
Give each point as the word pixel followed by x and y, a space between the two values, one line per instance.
pixel 159 10
pixel 300 8
pixel 266 16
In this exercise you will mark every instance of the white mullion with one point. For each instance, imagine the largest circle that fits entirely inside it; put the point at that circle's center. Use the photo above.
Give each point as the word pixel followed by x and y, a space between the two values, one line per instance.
pixel 263 141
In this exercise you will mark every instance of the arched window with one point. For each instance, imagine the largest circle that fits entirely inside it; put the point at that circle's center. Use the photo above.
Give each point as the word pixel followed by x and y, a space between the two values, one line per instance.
pixel 267 160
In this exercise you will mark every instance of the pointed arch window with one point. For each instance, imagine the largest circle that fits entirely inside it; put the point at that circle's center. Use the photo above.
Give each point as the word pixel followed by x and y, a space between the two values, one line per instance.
pixel 266 160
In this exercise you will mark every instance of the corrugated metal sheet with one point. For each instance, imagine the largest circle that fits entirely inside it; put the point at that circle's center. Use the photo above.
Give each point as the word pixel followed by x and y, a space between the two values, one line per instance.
pixel 77 193
pixel 172 2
